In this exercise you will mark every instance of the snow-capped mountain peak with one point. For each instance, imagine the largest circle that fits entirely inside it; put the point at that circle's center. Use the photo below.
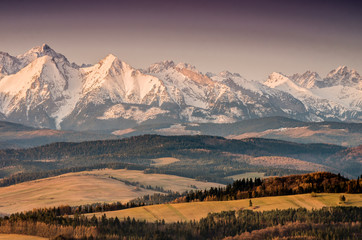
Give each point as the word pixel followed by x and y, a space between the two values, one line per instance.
pixel 282 82
pixel 308 79
pixel 160 66
pixel 116 80
pixel 342 76
pixel 227 74
pixel 187 66
pixel 336 94
pixel 8 64
pixel 276 79
pixel 40 51
pixel 41 88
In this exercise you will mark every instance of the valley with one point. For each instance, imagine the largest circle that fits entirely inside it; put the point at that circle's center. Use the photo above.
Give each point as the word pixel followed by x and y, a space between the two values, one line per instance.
pixel 180 120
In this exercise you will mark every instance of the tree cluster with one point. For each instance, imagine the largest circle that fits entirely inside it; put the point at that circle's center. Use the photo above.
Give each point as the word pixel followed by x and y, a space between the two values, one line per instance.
pixel 243 224
pixel 277 186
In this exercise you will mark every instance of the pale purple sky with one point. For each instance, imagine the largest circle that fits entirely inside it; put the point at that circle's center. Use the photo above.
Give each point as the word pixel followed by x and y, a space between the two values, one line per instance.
pixel 253 38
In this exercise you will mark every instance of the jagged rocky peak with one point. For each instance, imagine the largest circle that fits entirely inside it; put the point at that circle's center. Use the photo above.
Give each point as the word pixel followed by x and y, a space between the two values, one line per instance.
pixel 111 64
pixel 275 78
pixel 227 74
pixel 308 79
pixel 8 64
pixel 186 66
pixel 108 60
pixel 161 66
pixel 84 65
pixel 190 72
pixel 40 51
pixel 169 64
pixel 41 83
pixel 342 76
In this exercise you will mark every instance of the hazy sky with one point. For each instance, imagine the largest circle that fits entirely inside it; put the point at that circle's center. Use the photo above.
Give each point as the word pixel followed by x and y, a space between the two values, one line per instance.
pixel 253 38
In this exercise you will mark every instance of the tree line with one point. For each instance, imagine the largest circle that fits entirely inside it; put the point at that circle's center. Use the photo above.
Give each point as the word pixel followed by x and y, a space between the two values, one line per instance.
pixel 277 186
pixel 325 223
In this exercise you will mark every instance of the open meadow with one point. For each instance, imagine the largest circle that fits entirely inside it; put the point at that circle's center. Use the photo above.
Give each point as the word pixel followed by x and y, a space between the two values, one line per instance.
pixel 19 237
pixel 197 210
pixel 106 185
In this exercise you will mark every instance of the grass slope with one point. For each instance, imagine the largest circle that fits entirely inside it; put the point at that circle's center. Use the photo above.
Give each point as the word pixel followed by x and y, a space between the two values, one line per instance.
pixel 79 188
pixel 197 210
pixel 19 237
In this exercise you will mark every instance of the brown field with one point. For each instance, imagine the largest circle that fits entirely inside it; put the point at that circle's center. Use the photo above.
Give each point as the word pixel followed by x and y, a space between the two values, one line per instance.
pixel 19 237
pixel 123 132
pixel 198 210
pixel 287 162
pixel 164 161
pixel 88 187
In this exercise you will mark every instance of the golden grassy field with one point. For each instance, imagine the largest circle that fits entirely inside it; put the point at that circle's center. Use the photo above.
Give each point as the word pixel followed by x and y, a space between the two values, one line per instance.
pixel 19 237
pixel 88 187
pixel 197 210
pixel 164 161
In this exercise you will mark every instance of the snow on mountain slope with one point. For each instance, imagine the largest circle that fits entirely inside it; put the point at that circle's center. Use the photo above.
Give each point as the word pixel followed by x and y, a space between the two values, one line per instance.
pixel 307 80
pixel 38 79
pixel 224 97
pixel 42 89
pixel 342 76
pixel 348 97
pixel 336 96
pixel 8 64
pixel 185 85
pixel 111 78
pixel 37 52
pixel 119 111
pixel 43 92
pixel 239 80
pixel 114 91
pixel 282 82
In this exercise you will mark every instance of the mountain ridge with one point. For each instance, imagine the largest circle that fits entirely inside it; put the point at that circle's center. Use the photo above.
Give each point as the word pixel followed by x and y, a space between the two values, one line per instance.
pixel 41 88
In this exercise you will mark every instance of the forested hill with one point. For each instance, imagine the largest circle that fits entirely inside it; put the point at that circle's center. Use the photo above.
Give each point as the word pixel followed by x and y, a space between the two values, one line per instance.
pixel 216 155
pixel 158 146
pixel 318 182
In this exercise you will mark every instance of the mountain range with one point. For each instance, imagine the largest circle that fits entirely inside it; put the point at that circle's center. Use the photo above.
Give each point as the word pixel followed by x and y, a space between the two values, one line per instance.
pixel 42 89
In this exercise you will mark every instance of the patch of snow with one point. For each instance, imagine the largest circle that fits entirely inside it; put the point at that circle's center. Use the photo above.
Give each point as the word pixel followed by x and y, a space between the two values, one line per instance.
pixel 177 129
pixel 133 112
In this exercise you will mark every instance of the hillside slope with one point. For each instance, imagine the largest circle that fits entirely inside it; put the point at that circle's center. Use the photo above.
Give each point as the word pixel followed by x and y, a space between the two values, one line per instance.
pixel 89 187
pixel 217 155
pixel 197 210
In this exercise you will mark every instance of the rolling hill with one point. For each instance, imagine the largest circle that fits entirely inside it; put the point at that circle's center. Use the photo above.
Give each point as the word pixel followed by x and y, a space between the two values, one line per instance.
pixel 218 156
pixel 197 210
pixel 89 187
pixel 282 128
pixel 14 135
